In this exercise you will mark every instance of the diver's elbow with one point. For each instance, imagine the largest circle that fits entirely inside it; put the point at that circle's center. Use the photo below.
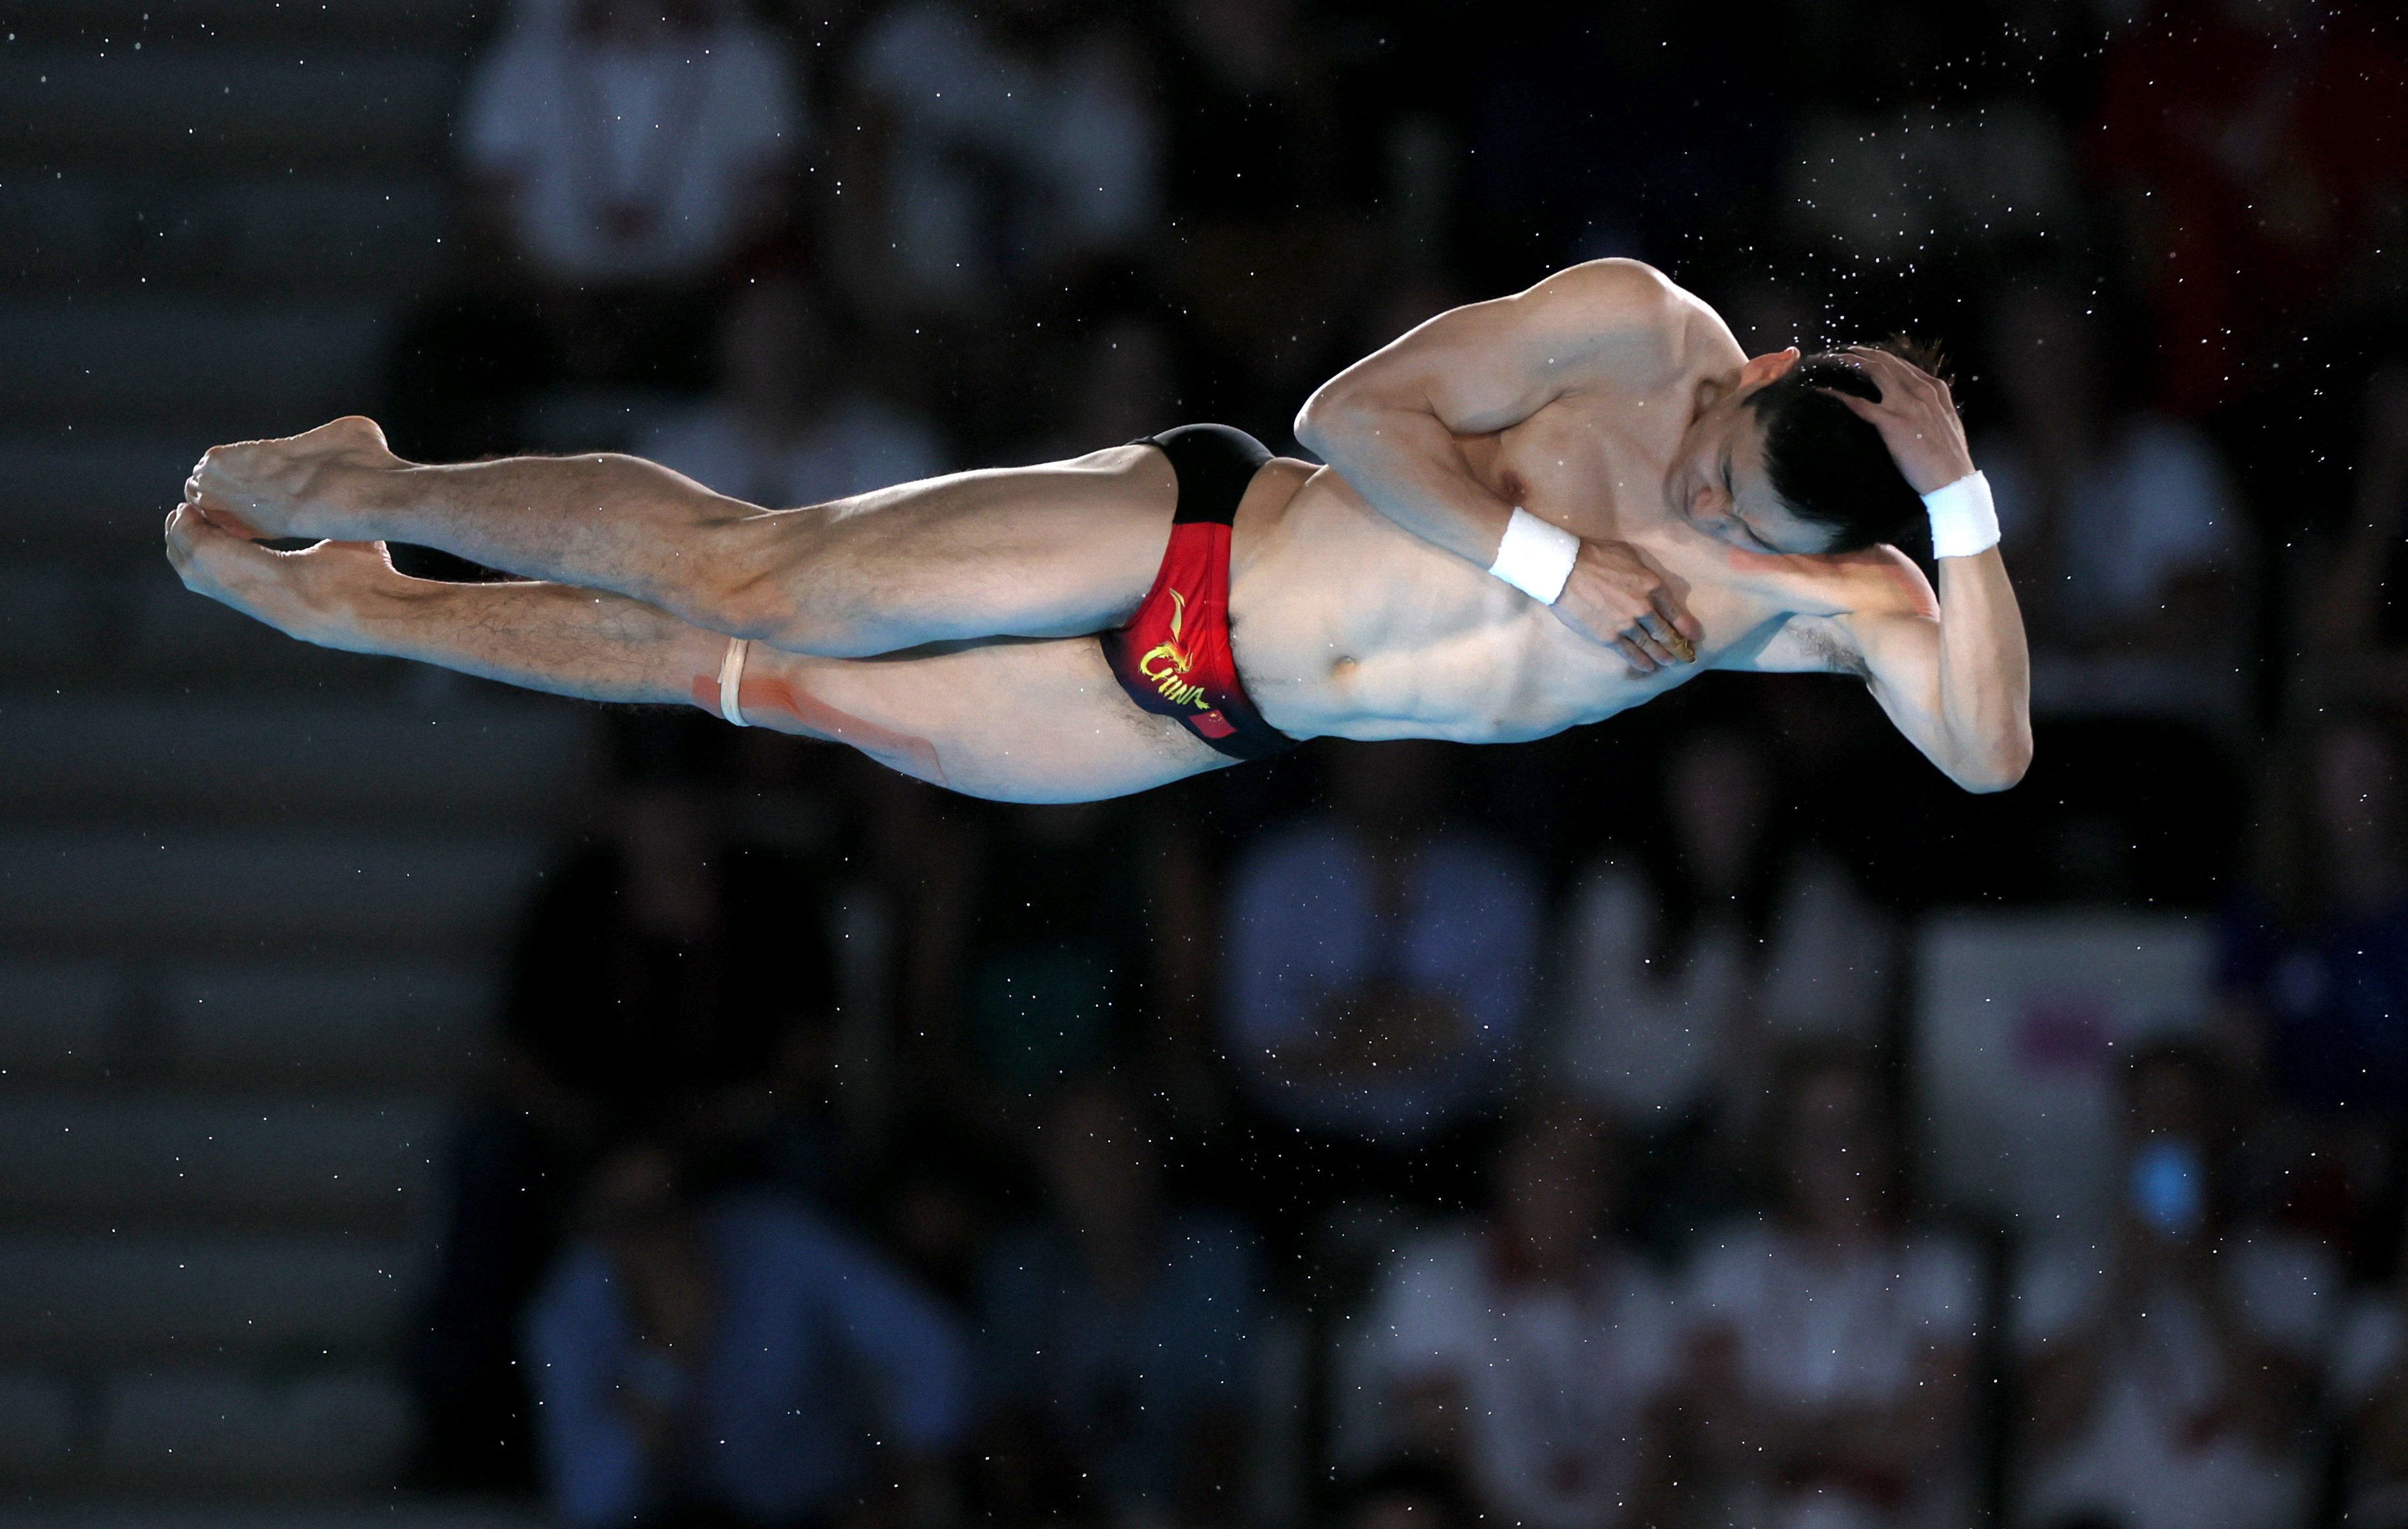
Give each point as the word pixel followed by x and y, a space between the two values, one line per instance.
pixel 1997 767
pixel 1342 415
pixel 1317 422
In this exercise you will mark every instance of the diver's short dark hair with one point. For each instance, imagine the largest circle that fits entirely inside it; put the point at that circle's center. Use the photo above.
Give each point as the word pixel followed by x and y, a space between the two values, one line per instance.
pixel 1830 467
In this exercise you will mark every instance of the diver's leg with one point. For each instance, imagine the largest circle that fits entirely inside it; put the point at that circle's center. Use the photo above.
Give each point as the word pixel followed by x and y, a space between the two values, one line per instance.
pixel 1061 547
pixel 1012 720
pixel 1030 721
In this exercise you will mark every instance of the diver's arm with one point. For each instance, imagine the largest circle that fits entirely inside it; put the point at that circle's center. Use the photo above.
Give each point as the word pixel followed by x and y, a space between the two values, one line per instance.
pixel 1390 425
pixel 1953 673
pixel 1950 672
pixel 1962 692
pixel 1389 422
pixel 1958 685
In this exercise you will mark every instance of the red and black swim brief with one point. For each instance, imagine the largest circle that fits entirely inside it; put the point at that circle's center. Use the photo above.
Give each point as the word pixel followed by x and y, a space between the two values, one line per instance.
pixel 1173 656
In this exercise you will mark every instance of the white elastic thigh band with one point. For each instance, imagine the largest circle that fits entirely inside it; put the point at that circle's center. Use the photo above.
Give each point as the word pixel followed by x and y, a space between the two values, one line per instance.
pixel 1535 556
pixel 731 682
pixel 1964 520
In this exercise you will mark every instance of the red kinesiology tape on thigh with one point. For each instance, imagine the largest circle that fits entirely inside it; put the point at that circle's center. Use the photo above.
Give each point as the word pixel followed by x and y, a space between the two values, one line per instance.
pixel 772 695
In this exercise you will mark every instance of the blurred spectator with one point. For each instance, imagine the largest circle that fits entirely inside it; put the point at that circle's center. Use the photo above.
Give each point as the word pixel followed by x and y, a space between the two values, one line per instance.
pixel 1020 140
pixel 785 427
pixel 2369 1396
pixel 664 984
pixel 2255 150
pixel 730 1360
pixel 1380 965
pixel 2168 1374
pixel 1121 1325
pixel 1832 1367
pixel 620 155
pixel 1533 1353
pixel 1673 983
pixel 2122 525
pixel 2314 951
pixel 2354 608
pixel 631 142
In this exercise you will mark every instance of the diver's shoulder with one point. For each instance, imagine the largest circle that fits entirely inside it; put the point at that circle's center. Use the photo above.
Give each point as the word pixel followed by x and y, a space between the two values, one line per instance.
pixel 1608 272
pixel 1685 337
pixel 1651 333
pixel 1618 290
pixel 1624 288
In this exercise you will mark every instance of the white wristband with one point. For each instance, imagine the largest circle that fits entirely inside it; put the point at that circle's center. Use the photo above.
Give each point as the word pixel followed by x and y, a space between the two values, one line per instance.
pixel 731 682
pixel 1963 520
pixel 1535 556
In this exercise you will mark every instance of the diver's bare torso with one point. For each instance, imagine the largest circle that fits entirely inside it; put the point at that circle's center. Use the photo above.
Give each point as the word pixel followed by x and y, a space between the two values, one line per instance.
pixel 1345 624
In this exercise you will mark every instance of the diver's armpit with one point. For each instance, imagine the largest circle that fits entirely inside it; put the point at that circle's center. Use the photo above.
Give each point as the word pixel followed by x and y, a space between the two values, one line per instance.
pixel 1800 645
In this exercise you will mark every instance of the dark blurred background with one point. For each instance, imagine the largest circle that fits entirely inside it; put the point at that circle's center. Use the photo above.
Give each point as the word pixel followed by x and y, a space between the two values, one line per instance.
pixel 432 1104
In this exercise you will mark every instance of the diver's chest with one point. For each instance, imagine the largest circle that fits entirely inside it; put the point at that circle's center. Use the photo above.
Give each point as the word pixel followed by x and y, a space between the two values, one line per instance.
pixel 1598 469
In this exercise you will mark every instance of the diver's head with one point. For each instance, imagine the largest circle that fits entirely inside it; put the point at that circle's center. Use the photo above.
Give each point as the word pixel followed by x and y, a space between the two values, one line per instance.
pixel 1778 464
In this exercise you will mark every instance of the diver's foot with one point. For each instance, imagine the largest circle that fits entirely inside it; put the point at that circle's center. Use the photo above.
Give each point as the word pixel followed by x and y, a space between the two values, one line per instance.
pixel 313 484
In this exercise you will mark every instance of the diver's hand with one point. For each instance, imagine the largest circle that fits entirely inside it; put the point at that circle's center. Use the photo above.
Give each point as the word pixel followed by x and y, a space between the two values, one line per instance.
pixel 1916 417
pixel 1616 597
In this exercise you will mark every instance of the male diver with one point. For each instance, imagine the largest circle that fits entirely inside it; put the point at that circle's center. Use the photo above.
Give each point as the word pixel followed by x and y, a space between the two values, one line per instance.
pixel 1537 511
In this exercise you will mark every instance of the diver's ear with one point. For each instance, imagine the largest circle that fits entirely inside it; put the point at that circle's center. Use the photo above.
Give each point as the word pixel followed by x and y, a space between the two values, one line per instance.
pixel 1765 368
pixel 1754 373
